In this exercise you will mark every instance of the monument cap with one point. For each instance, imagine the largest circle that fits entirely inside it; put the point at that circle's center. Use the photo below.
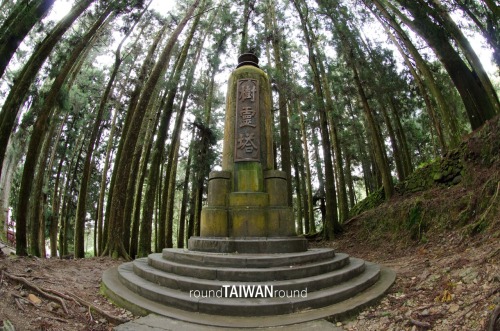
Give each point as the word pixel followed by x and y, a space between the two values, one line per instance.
pixel 249 59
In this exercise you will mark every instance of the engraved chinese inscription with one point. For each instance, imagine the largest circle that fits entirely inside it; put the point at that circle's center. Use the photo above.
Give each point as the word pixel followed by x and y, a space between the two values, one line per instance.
pixel 247 144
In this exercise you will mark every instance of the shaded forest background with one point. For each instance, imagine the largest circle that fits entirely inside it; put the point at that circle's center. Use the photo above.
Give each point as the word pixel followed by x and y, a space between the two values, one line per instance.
pixel 112 115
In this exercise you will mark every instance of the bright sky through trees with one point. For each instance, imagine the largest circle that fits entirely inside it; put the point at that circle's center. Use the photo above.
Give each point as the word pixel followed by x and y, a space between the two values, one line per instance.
pixel 62 7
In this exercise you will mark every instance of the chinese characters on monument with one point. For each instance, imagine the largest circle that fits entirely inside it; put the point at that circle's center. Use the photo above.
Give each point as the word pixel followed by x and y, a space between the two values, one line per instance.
pixel 247 145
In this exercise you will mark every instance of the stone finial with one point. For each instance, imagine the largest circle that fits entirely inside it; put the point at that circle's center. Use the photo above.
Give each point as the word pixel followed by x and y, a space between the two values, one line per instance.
pixel 248 59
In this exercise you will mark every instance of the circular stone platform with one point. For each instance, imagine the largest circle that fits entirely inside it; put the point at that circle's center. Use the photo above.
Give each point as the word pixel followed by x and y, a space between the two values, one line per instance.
pixel 164 283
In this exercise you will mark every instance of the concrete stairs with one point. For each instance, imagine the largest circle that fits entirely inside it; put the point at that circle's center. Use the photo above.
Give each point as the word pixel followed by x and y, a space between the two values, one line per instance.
pixel 196 286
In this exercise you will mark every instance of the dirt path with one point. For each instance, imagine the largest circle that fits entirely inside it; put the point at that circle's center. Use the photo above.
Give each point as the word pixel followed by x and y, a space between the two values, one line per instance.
pixel 446 284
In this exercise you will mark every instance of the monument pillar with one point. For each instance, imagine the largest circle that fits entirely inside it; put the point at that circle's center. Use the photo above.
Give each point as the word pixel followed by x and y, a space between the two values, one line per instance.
pixel 248 198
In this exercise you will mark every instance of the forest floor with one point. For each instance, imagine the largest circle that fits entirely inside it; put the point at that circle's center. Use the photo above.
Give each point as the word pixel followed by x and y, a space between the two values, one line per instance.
pixel 448 283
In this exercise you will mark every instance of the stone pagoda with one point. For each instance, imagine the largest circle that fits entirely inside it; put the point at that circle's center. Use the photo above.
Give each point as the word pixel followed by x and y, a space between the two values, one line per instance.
pixel 248 268
pixel 248 209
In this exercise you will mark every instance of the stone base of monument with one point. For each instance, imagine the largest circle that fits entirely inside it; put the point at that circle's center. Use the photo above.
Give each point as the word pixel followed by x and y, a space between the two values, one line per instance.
pixel 253 245
pixel 247 289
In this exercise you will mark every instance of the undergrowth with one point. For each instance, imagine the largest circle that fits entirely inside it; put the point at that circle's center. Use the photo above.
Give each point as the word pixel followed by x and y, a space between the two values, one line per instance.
pixel 459 191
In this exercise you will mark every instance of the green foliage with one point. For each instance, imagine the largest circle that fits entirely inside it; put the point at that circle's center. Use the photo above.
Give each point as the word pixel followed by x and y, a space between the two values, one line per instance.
pixel 416 222
pixel 440 202
pixel 370 202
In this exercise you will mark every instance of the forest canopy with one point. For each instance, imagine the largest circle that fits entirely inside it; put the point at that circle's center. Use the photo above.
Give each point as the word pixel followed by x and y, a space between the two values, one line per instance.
pixel 111 113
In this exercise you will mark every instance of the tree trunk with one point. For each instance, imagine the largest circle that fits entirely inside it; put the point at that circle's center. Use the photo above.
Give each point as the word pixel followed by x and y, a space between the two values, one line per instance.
pixel 71 177
pixel 114 246
pixel 339 166
pixel 137 201
pixel 474 94
pixel 82 196
pixel 171 170
pixel 247 11
pixel 348 177
pixel 400 132
pixel 15 28
pixel 282 103
pixel 440 13
pixel 39 131
pixel 299 224
pixel 309 190
pixel 37 224
pixel 18 92
pixel 332 224
pixel 152 182
pixel 185 197
pixel 448 118
pixel 379 152
pixel 304 194
pixel 396 153
pixel 14 155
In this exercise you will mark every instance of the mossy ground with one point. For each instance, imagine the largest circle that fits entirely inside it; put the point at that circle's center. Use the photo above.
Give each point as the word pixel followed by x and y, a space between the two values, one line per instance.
pixel 458 191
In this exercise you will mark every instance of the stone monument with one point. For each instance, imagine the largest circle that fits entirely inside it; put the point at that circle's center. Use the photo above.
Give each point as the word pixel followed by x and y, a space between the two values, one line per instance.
pixel 248 268
pixel 247 204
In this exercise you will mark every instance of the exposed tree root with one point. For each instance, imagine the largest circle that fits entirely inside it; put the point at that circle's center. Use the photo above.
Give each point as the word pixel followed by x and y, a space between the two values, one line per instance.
pixel 58 297
pixel 64 296
pixel 19 305
pixel 420 324
pixel 38 290
pixel 110 318
pixel 483 220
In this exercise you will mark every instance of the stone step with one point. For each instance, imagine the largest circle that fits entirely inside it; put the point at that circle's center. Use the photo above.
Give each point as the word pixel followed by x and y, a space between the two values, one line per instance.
pixel 116 291
pixel 247 306
pixel 186 284
pixel 249 274
pixel 236 260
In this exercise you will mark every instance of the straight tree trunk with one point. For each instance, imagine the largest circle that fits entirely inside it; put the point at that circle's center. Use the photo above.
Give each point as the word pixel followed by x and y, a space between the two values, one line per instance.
pixel 244 32
pixel 37 224
pixel 143 75
pixel 185 199
pixel 332 224
pixel 137 201
pixel 14 154
pixel 54 224
pixel 300 223
pixel 379 152
pixel 309 190
pixel 348 177
pixel 71 177
pixel 282 103
pixel 337 151
pixel 303 193
pixel 104 179
pixel 171 170
pixel 400 132
pixel 81 209
pixel 152 182
pixel 320 195
pixel 114 246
